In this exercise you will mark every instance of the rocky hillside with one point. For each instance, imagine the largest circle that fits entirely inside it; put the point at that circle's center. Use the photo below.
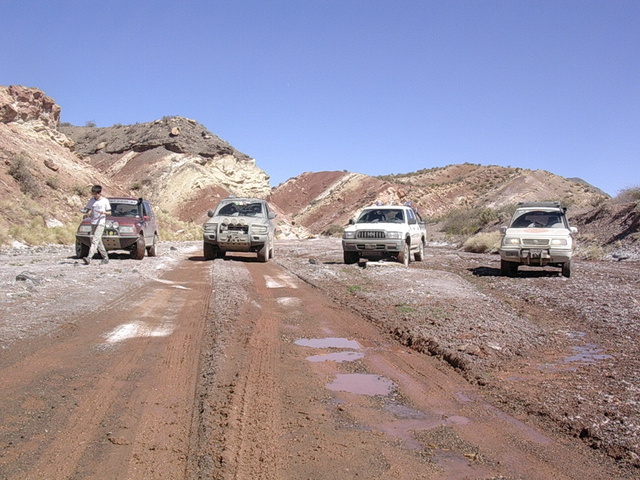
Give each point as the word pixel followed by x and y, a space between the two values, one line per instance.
pixel 47 168
pixel 319 200
pixel 175 162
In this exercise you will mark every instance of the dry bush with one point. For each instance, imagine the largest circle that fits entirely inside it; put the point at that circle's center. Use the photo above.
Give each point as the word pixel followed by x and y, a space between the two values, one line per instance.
pixel 173 230
pixel 20 170
pixel 482 243
pixel 628 195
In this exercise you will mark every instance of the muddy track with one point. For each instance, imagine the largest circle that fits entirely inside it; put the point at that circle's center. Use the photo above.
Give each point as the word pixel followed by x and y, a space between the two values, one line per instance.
pixel 292 369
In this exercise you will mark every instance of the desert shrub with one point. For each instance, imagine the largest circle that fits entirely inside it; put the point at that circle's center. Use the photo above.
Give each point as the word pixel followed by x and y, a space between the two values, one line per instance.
pixel 174 230
pixel 90 124
pixel 20 171
pixel 469 221
pixel 333 231
pixel 628 195
pixel 37 233
pixel 81 190
pixel 482 242
pixel 590 252
pixel 53 182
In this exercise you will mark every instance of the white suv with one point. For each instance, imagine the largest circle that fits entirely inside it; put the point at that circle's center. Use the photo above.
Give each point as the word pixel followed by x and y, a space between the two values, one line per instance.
pixel 537 235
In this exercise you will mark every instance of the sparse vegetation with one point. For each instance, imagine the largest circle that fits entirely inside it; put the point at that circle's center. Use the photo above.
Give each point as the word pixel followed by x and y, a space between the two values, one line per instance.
pixel 53 182
pixel 628 195
pixel 172 229
pixel 470 221
pixel 482 243
pixel 20 170
pixel 333 231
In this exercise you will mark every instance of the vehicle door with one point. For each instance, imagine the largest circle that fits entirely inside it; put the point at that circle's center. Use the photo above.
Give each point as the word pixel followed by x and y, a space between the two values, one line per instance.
pixel 414 228
pixel 147 223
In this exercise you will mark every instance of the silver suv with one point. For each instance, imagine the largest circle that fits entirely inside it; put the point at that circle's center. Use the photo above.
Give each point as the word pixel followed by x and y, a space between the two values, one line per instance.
pixel 239 225
pixel 537 235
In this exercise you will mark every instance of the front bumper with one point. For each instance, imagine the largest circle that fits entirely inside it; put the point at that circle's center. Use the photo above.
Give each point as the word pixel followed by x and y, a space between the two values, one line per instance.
pixel 373 246
pixel 535 256
pixel 236 241
pixel 111 240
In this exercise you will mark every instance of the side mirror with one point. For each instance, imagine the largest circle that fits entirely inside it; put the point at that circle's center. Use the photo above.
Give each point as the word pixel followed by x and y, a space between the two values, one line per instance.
pixel 352 221
pixel 503 229
pixel 272 215
pixel 574 229
pixel 210 213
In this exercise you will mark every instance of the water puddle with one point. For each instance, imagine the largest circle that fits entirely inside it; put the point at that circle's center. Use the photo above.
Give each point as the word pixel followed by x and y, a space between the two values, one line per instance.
pixel 361 384
pixel 337 357
pixel 328 343
pixel 289 301
pixel 587 354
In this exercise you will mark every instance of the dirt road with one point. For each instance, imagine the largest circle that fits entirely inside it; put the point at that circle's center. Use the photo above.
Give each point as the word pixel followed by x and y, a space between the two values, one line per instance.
pixel 237 369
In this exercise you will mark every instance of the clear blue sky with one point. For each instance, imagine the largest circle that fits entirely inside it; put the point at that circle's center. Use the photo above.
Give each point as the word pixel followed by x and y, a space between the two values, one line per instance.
pixel 368 86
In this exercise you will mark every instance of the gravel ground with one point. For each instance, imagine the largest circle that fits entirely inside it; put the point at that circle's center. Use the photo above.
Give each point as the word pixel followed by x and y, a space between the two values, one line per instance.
pixel 560 352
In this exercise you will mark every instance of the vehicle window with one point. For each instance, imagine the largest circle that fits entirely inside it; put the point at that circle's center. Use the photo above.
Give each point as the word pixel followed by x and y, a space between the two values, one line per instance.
pixel 124 210
pixel 412 218
pixel 540 220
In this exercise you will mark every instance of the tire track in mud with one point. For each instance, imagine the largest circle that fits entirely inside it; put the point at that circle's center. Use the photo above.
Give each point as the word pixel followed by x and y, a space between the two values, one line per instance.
pixel 255 410
pixel 110 405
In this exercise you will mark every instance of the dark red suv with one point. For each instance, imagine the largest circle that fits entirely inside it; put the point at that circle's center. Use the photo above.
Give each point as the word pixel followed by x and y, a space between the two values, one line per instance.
pixel 131 226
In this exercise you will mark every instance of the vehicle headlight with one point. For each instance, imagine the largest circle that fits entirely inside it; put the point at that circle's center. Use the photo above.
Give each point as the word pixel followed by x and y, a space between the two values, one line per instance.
pixel 396 235
pixel 559 241
pixel 127 229
pixel 259 229
pixel 511 241
pixel 112 224
pixel 349 235
pixel 210 227
pixel 84 229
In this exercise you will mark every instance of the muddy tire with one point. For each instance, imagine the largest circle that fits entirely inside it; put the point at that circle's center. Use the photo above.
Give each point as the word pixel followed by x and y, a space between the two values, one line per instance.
pixel 152 251
pixel 566 269
pixel 81 250
pixel 263 253
pixel 404 257
pixel 508 269
pixel 138 249
pixel 209 251
pixel 350 257
pixel 419 255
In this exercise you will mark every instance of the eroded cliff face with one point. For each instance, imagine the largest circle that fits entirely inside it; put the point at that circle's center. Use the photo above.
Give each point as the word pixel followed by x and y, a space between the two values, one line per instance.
pixel 42 181
pixel 174 161
pixel 324 201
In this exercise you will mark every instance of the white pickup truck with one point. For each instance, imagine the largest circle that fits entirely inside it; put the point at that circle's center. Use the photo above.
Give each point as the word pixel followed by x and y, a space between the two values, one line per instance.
pixel 383 231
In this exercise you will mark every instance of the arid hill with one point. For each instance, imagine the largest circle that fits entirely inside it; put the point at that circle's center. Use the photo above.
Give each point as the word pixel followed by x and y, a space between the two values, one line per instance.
pixel 184 170
pixel 319 200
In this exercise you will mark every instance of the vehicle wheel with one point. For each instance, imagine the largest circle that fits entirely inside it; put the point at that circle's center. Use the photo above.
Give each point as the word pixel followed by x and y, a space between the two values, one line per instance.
pixel 351 257
pixel 404 255
pixel 566 269
pixel 209 251
pixel 419 255
pixel 138 249
pixel 152 251
pixel 263 253
pixel 81 250
pixel 508 269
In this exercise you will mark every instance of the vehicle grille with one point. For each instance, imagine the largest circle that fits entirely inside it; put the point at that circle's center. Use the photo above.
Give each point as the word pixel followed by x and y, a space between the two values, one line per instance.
pixel 370 234
pixel 535 242
pixel 238 228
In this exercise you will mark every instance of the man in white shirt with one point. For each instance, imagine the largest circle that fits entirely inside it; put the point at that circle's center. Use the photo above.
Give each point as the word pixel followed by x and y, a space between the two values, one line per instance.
pixel 97 209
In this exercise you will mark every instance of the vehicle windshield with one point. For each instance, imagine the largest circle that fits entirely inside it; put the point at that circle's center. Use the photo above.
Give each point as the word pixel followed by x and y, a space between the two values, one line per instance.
pixel 241 209
pixel 539 219
pixel 124 210
pixel 381 216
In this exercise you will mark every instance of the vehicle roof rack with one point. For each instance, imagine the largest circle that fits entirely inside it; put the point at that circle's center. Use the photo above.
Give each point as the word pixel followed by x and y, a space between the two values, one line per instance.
pixel 540 204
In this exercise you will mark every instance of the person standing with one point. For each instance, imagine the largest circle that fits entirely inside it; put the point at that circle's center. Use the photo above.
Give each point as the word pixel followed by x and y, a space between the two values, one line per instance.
pixel 97 209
